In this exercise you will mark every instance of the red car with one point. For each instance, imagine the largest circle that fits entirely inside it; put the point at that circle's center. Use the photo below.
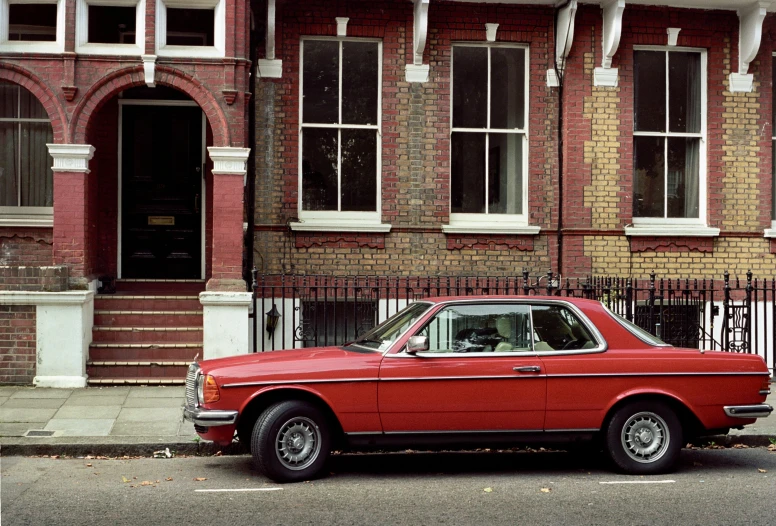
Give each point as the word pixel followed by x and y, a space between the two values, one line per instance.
pixel 463 371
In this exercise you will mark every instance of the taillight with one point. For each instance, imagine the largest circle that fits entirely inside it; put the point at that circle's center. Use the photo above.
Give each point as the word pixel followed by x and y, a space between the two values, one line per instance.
pixel 765 387
pixel 210 392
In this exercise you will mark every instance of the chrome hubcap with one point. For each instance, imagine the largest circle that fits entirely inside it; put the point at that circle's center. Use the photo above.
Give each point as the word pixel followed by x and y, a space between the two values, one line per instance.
pixel 645 437
pixel 298 443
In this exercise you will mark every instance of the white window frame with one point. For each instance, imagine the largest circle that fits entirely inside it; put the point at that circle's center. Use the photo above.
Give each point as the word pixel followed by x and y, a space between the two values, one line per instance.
pixel 672 226
pixel 16 46
pixel 82 44
pixel 36 216
pixel 334 220
pixel 486 222
pixel 218 49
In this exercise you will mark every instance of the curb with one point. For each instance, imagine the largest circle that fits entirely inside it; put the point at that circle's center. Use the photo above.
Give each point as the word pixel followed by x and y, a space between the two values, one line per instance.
pixel 139 449
pixel 746 440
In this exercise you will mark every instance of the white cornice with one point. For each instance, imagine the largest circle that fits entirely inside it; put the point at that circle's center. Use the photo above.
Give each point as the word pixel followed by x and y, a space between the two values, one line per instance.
pixel 45 298
pixel 225 299
pixel 228 160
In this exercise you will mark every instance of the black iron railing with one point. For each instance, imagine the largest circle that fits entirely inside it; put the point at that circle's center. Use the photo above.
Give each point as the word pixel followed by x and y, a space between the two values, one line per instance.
pixel 293 311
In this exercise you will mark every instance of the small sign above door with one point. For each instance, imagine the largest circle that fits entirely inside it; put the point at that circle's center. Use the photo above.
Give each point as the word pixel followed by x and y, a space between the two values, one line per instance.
pixel 161 220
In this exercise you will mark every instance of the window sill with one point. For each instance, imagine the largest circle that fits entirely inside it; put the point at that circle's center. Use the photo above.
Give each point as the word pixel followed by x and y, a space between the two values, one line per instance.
pixel 31 47
pixel 339 226
pixel 28 221
pixel 671 231
pixel 769 233
pixel 190 52
pixel 109 49
pixel 519 230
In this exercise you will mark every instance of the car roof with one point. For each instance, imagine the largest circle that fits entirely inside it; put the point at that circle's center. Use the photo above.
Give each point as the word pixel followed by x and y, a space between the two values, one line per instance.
pixel 508 297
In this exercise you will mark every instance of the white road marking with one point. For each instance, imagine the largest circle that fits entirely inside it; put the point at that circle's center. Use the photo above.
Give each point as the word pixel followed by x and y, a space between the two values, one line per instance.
pixel 638 482
pixel 235 490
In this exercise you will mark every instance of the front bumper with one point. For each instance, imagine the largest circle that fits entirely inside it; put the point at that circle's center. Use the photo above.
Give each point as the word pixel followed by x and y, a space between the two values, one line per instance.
pixel 209 417
pixel 748 411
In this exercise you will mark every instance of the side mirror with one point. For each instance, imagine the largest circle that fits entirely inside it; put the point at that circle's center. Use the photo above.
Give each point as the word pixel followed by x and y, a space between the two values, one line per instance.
pixel 417 344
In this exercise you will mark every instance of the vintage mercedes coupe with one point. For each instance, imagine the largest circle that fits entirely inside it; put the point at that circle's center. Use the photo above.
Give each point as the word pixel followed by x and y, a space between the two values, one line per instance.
pixel 478 371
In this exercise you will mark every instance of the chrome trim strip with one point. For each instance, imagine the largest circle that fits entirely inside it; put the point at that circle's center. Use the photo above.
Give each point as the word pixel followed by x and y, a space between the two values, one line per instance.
pixel 296 382
pixel 597 375
pixel 209 418
pixel 479 431
pixel 492 377
pixel 765 391
pixel 748 411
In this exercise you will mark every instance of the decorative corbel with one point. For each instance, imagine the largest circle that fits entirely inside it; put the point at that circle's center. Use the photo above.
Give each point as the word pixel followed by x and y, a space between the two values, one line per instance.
pixel 490 32
pixel 417 71
pixel 149 69
pixel 342 26
pixel 270 67
pixel 673 35
pixel 750 32
pixel 606 75
pixel 564 38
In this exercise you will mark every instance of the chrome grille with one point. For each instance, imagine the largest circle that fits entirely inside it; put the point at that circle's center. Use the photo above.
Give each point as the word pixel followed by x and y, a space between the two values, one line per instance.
pixel 191 385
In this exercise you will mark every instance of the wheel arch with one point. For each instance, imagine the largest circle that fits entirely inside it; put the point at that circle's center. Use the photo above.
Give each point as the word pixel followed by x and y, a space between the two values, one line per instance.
pixel 691 424
pixel 263 399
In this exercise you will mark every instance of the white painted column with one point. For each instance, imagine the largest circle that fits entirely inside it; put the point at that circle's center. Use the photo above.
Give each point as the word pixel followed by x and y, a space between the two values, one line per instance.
pixel 226 323
pixel 63 332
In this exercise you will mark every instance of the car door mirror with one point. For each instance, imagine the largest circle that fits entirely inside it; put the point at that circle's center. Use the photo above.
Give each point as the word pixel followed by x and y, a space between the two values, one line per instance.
pixel 417 344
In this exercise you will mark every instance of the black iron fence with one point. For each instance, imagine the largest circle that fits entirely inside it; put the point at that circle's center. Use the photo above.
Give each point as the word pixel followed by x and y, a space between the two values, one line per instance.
pixel 728 314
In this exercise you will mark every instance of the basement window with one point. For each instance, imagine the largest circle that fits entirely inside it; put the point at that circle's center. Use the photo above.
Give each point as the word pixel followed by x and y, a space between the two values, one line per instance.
pixel 110 27
pixel 32 27
pixel 190 28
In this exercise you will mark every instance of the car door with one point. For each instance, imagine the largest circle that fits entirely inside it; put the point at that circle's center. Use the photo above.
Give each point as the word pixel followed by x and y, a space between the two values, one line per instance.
pixel 480 373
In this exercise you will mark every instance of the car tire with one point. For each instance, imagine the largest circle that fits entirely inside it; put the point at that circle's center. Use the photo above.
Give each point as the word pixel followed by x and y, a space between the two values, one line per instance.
pixel 644 438
pixel 291 441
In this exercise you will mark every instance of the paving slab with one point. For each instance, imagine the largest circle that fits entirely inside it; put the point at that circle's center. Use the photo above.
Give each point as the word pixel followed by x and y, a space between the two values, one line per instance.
pixel 18 415
pixel 103 391
pixel 87 401
pixel 38 392
pixel 16 430
pixel 145 429
pixel 34 403
pixel 88 412
pixel 186 429
pixel 157 392
pixel 154 402
pixel 3 399
pixel 81 427
pixel 161 414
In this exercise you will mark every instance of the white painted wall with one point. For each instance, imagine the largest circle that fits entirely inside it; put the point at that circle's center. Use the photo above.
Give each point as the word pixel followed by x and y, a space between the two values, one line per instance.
pixel 226 327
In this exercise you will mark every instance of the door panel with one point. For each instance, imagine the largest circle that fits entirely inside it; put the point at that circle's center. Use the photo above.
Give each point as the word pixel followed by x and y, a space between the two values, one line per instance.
pixel 161 173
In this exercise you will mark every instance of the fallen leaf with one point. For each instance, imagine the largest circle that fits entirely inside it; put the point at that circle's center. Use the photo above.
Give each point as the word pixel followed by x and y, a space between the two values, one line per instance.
pixel 762 470
pixel 88 465
pixel 168 479
pixel 218 454
pixel 488 490
pixel 546 490
pixel 199 479
pixel 124 479
pixel 146 483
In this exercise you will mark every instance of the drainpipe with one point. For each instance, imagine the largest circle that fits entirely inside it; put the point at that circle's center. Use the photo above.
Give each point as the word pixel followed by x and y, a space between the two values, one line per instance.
pixel 560 74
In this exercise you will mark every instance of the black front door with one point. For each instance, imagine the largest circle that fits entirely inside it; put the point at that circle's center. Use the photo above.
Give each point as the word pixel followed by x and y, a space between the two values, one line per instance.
pixel 161 192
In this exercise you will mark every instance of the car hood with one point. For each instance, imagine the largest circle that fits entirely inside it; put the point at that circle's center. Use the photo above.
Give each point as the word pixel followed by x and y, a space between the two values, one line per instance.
pixel 317 363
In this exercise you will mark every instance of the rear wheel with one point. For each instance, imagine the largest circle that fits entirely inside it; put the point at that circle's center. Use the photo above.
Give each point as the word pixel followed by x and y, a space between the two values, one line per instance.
pixel 644 438
pixel 291 441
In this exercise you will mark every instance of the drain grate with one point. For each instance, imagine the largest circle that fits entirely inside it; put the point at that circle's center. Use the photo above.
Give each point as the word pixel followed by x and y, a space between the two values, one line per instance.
pixel 39 433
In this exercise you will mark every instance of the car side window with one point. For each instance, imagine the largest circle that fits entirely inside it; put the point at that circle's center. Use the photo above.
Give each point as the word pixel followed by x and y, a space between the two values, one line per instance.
pixel 557 328
pixel 479 328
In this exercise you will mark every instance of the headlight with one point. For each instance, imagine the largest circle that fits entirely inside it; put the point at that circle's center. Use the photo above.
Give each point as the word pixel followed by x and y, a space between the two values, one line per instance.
pixel 200 388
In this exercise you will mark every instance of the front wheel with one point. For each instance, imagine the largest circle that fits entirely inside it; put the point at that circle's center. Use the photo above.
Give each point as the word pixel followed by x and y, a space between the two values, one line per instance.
pixel 290 442
pixel 644 438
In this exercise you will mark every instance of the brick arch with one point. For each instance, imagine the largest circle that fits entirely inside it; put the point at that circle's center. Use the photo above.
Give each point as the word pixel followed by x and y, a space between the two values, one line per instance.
pixel 43 93
pixel 126 78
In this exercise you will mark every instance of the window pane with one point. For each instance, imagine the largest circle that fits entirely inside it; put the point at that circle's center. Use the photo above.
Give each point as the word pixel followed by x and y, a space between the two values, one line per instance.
pixel 470 87
pixel 359 82
pixel 557 328
pixel 650 87
pixel 684 96
pixel 480 328
pixel 9 154
pixel 112 24
pixel 30 107
pixel 190 27
pixel 36 175
pixel 648 184
pixel 773 181
pixel 682 178
pixel 507 85
pixel 32 22
pixel 319 169
pixel 9 100
pixel 359 170
pixel 505 173
pixel 320 89
pixel 467 173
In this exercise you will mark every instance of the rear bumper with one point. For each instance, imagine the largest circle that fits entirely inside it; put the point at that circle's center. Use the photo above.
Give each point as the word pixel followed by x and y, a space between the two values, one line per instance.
pixel 209 418
pixel 748 411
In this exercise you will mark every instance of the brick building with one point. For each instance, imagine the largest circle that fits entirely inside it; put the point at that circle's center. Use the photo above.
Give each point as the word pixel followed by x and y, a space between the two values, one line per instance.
pixel 389 138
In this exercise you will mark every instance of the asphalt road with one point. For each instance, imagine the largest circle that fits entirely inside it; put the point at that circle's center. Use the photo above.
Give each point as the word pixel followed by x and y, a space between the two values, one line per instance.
pixel 731 486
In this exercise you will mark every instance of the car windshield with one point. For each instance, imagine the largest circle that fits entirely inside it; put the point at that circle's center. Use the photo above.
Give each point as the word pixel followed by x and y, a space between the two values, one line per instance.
pixel 637 331
pixel 382 337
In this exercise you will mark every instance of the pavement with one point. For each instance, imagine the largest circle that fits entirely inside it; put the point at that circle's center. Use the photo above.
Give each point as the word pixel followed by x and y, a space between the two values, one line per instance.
pixel 143 420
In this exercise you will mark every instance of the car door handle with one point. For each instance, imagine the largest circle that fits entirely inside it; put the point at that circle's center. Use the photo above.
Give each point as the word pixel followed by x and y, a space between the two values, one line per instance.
pixel 527 369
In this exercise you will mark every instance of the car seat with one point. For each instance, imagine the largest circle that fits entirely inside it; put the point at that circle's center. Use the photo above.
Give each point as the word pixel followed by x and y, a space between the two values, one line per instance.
pixel 504 329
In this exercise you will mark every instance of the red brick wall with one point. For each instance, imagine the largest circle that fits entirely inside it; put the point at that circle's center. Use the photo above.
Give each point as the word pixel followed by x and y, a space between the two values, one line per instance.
pixel 17 344
pixel 25 246
pixel 40 279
